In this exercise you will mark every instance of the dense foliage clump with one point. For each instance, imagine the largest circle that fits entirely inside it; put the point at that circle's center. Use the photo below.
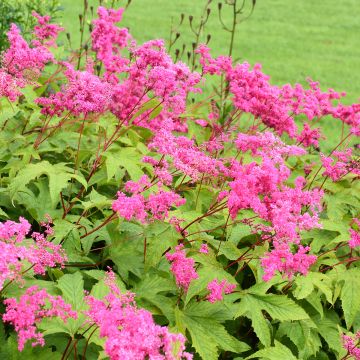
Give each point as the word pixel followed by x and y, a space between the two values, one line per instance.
pixel 138 224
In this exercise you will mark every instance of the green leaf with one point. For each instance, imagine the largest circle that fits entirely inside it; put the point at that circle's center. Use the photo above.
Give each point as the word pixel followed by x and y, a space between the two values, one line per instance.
pixel 199 284
pixel 128 257
pixel 72 288
pixel 306 284
pixel 350 294
pixel 96 200
pixel 3 213
pixel 59 175
pixel 203 321
pixel 150 104
pixel 150 289
pixel 279 307
pixel 159 237
pixel 128 158
pixel 303 335
pixel 277 352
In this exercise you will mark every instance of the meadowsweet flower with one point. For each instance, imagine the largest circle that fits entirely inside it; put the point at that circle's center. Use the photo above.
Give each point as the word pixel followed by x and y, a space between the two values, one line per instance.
pixel 350 344
pixel 16 248
pixel 309 137
pixel 213 66
pixel 84 93
pixel 340 164
pixel 186 157
pixel 182 267
pixel 20 60
pixel 283 260
pixel 204 249
pixel 159 204
pixel 254 94
pixel 9 229
pixel 355 235
pixel 28 312
pixel 130 332
pixel 217 290
pixel 349 115
pixel 45 33
pixel 156 205
pixel 108 40
pixel 20 64
pixel 130 206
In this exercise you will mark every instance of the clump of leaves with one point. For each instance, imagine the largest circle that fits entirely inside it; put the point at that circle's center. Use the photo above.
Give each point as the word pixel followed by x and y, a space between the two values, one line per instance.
pixel 160 227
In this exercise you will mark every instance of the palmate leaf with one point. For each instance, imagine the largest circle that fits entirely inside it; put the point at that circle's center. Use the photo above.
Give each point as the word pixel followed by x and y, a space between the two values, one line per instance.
pixel 59 175
pixel 350 294
pixel 305 285
pixel 279 307
pixel 277 352
pixel 159 237
pixel 150 289
pixel 128 158
pixel 204 320
pixel 303 334
pixel 72 288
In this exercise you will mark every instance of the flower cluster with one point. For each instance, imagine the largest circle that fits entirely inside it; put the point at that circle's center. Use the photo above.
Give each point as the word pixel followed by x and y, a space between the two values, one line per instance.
pixel 182 267
pixel 32 307
pixel 130 332
pixel 355 235
pixel 282 259
pixel 342 164
pixel 45 33
pixel 217 289
pixel 16 250
pixel 20 64
pixel 350 344
pixel 108 40
pixel 137 206
pixel 84 93
pixel 185 155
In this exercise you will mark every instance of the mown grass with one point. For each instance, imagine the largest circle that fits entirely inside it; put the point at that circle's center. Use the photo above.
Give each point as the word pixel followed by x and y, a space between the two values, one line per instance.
pixel 291 39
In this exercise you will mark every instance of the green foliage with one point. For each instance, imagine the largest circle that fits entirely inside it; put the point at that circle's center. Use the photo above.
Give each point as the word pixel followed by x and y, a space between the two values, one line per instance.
pixel 73 173
pixel 19 13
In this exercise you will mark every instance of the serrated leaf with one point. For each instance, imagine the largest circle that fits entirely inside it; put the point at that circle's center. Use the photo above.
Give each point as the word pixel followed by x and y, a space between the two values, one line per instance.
pixel 277 352
pixel 305 285
pixel 59 175
pixel 159 237
pixel 350 294
pixel 303 335
pixel 279 307
pixel 72 288
pixel 203 321
pixel 128 158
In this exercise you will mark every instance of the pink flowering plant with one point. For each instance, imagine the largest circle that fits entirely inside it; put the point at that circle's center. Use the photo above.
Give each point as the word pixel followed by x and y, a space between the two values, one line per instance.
pixel 138 224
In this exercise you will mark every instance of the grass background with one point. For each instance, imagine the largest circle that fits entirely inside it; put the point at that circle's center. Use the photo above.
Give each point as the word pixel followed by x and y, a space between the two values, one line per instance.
pixel 292 39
